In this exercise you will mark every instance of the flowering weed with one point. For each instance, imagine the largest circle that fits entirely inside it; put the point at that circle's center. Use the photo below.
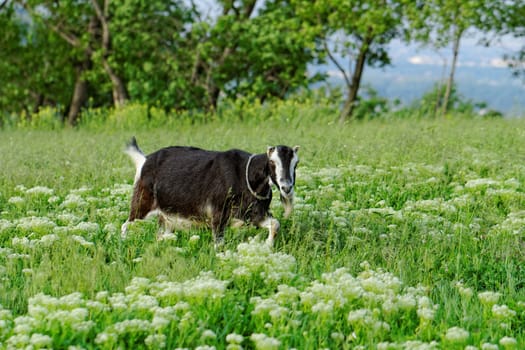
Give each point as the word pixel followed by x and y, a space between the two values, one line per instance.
pixel 405 235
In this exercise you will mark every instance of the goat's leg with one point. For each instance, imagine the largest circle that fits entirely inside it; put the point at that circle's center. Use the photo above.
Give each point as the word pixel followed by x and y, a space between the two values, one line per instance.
pixel 218 223
pixel 273 226
pixel 219 220
pixel 288 205
pixel 165 227
pixel 141 204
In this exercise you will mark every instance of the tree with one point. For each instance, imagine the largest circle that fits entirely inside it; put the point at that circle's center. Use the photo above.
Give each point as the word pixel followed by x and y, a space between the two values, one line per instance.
pixel 444 22
pixel 153 50
pixel 357 30
pixel 247 52
pixel 33 63
pixel 84 26
pixel 112 47
pixel 512 22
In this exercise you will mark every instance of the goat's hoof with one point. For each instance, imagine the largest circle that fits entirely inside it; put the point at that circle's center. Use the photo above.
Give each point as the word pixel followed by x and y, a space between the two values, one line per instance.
pixel 219 243
pixel 166 236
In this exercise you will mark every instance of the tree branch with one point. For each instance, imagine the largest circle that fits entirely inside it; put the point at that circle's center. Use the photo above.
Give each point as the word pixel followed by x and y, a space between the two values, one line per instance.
pixel 249 9
pixel 102 17
pixel 337 64
pixel 70 38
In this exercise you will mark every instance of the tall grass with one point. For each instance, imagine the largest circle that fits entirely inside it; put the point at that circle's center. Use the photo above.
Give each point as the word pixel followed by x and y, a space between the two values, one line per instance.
pixel 406 234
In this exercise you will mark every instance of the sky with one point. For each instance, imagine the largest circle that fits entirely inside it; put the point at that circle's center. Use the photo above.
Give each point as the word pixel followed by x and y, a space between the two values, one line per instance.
pixel 482 74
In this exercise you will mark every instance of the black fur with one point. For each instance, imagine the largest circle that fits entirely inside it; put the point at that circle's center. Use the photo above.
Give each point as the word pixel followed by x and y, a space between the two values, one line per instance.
pixel 205 186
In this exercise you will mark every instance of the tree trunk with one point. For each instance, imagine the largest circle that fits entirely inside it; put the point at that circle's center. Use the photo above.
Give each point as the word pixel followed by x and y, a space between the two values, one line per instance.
pixel 450 81
pixel 351 99
pixel 80 93
pixel 213 89
pixel 120 94
pixel 39 102
pixel 78 100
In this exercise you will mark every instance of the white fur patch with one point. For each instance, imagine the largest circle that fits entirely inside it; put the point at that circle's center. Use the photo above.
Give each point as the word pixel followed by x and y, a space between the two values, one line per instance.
pixel 280 172
pixel 279 169
pixel 124 229
pixel 138 159
pixel 293 164
pixel 273 227
pixel 177 222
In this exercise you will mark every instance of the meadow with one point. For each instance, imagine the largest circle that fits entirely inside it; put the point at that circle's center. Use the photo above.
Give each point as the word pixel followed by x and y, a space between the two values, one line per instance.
pixel 406 234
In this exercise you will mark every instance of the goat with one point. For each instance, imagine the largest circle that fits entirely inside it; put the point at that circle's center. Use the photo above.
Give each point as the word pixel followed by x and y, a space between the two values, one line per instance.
pixel 188 185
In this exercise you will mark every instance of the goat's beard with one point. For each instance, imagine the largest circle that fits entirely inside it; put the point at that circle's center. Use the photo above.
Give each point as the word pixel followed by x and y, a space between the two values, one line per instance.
pixel 287 204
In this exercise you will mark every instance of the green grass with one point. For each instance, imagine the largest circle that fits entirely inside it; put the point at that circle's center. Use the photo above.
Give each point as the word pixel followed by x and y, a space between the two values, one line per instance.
pixel 422 215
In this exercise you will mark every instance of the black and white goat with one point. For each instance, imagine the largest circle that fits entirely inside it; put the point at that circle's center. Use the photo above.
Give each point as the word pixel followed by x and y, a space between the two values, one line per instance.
pixel 188 185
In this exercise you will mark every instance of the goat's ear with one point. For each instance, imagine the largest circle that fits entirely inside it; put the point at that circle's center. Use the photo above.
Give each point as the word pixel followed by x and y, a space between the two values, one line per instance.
pixel 270 150
pixel 296 148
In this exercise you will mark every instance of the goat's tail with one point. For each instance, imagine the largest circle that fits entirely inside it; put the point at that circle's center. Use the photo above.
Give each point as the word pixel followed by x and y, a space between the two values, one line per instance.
pixel 137 156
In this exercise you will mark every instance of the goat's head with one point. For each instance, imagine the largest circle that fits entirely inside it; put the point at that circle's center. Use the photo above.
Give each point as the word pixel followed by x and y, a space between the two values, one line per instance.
pixel 283 161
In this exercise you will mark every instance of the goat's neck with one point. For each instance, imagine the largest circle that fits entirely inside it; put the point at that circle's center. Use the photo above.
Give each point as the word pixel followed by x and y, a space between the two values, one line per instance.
pixel 259 173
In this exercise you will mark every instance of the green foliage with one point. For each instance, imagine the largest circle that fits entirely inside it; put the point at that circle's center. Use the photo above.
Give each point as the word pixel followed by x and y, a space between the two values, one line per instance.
pixel 47 118
pixel 370 105
pixel 429 106
pixel 170 56
pixel 35 69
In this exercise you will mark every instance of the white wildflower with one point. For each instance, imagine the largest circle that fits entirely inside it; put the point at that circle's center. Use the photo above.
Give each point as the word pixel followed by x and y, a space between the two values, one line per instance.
pixel 78 314
pixel 40 190
pixel 106 338
pixel 82 241
pixel 16 200
pixel 337 336
pixel 5 225
pixel 264 342
pixel 359 316
pixel 88 227
pixel 406 301
pixel 48 240
pixel 481 183
pixel 502 312
pixel 208 334
pixel 68 218
pixel 53 199
pixel 74 299
pixel 19 341
pixel 22 242
pixel 73 201
pixel 155 341
pixel 131 326
pixel 464 291
pixel 323 308
pixel 37 224
pixel 41 340
pixel 234 338
pixel 508 342
pixel 489 298
pixel 110 228
pixel 457 335
pixel 83 327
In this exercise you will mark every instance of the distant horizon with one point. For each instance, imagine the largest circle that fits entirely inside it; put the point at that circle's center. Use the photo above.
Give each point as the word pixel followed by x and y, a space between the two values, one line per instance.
pixel 481 75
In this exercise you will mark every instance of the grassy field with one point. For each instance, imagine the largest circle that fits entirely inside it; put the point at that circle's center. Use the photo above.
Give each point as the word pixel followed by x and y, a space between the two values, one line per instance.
pixel 405 235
